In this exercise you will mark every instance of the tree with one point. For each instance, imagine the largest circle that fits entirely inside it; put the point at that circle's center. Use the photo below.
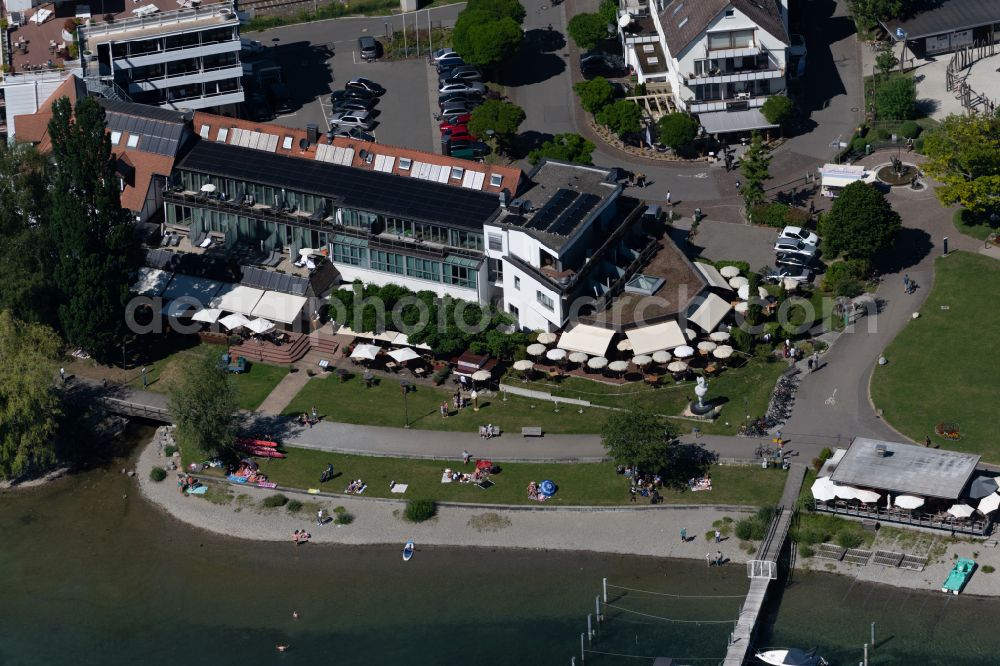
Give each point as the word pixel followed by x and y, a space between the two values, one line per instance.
pixel 485 40
pixel 587 30
pixel 963 154
pixel 896 99
pixel 202 401
pixel 595 94
pixel 29 406
pixel 777 110
pixel 639 438
pixel 608 10
pixel 886 60
pixel 503 118
pixel 677 130
pixel 92 238
pixel 565 148
pixel 867 13
pixel 860 223
pixel 622 117
pixel 754 167
pixel 499 9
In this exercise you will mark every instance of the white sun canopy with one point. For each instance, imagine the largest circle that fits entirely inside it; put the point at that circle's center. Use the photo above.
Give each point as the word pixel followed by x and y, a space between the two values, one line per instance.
pixel 151 281
pixel 237 298
pixel 366 352
pixel 403 355
pixel 659 337
pixel 403 339
pixel 712 276
pixel 277 306
pixel 708 312
pixel 591 340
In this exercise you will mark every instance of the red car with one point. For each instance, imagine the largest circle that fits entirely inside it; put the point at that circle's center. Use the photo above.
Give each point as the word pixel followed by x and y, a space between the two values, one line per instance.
pixel 460 121
pixel 455 136
pixel 455 129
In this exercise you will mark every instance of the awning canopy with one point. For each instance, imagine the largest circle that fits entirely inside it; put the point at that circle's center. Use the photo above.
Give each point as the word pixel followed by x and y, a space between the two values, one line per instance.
pixel 591 340
pixel 151 281
pixel 186 292
pixel 404 340
pixel 368 352
pixel 707 311
pixel 659 337
pixel 720 122
pixel 403 355
pixel 276 306
pixel 237 298
pixel 712 276
pixel 840 175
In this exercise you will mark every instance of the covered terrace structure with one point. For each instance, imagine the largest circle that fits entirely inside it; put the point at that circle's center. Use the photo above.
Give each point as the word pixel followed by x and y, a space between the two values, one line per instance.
pixel 947 26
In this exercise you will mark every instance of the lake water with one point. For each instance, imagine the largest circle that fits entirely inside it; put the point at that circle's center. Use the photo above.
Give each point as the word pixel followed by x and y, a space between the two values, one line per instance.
pixel 94 578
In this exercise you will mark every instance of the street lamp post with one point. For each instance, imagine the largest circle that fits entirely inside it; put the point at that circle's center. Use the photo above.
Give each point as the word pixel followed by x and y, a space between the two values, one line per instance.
pixel 405 388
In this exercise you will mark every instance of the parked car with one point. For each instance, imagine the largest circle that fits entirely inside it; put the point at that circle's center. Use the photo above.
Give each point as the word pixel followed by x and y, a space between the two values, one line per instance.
pixel 451 62
pixel 468 149
pixel 367 103
pixel 454 121
pixel 354 133
pixel 362 83
pixel 368 48
pixel 353 93
pixel 462 135
pixel 599 63
pixel 798 273
pixel 457 108
pixel 797 48
pixel 461 77
pixel 441 54
pixel 474 88
pixel 799 234
pixel 791 246
pixel 359 119
pixel 463 72
pixel 452 97
pixel 251 46
pixel 351 104
pixel 794 260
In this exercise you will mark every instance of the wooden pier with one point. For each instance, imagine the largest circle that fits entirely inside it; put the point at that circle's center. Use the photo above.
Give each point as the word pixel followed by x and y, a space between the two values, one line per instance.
pixel 764 569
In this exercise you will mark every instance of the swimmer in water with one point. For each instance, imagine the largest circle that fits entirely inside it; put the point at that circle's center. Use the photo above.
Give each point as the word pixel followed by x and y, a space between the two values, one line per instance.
pixel 295 615
pixel 281 647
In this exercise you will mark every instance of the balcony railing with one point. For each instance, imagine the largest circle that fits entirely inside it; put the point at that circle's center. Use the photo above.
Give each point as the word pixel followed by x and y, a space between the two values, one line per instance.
pixel 912 518
pixel 223 11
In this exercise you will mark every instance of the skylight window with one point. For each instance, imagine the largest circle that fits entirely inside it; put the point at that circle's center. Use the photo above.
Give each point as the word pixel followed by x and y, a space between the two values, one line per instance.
pixel 405 163
pixel 286 143
pixel 456 173
pixel 116 138
pixel 205 129
pixel 222 135
pixel 495 180
pixel 683 22
pixel 133 140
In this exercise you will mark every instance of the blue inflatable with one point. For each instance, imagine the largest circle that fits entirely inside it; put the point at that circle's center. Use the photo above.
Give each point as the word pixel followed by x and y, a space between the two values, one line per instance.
pixel 547 488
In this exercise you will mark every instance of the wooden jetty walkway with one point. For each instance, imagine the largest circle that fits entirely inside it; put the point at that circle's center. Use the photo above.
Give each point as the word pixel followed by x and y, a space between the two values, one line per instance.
pixel 764 569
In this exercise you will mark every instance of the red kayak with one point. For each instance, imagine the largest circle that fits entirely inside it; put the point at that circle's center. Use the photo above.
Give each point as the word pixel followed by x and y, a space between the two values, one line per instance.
pixel 260 443
pixel 261 451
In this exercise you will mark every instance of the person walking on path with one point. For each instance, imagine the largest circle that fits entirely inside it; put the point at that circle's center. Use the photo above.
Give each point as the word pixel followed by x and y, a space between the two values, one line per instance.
pixel 62 375
pixel 684 535
pixel 632 492
pixel 145 379
pixel 718 559
pixel 815 361
pixel 718 536
pixel 668 198
pixel 319 518
pixel 906 283
pixel 465 457
pixel 315 414
pixel 708 559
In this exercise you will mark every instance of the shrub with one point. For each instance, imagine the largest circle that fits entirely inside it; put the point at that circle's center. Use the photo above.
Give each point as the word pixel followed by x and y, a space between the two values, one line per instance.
pixel 344 518
pixel 858 144
pixel 169 450
pixel 594 94
pixel 811 535
pixel 826 453
pixel 771 214
pixel 806 504
pixel 817 464
pixel 909 129
pixel 339 509
pixel 677 130
pixel 896 99
pixel 918 145
pixel 882 134
pixel 417 511
pixel 273 501
pixel 805 550
pixel 741 339
pixel 988 568
pixel 157 474
pixel 849 539
pixel 841 279
pixel 777 109
pixel 744 529
pixel 294 506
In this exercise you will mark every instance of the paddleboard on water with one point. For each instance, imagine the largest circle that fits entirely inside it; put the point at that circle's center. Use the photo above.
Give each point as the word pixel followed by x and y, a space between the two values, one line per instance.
pixel 408 550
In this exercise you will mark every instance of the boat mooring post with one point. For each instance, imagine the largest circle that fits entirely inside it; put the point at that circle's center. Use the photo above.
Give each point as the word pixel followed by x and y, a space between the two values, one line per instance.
pixel 866 654
pixel 873 636
pixel 605 590
pixel 590 630
pixel 597 609
pixel 572 661
pixel 583 654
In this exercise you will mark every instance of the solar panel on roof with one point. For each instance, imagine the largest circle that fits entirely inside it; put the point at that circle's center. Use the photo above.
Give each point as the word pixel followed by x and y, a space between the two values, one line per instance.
pixel 574 214
pixel 547 216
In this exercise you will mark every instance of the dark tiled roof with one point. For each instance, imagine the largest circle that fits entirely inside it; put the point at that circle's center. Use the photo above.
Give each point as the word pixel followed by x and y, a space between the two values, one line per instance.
pixel 766 14
pixel 397 196
pixel 160 131
pixel 196 265
pixel 947 16
pixel 684 20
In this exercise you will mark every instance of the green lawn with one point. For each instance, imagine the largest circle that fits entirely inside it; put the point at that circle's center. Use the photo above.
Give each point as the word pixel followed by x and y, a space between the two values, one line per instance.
pixel 938 370
pixel 579 483
pixel 257 383
pixel 967 223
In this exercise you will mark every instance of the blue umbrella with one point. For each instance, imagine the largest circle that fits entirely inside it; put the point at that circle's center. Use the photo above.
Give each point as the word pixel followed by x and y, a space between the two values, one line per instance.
pixel 547 487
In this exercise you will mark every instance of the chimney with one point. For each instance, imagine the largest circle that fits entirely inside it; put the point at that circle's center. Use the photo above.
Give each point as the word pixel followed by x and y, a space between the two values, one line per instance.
pixel 312 133
pixel 504 197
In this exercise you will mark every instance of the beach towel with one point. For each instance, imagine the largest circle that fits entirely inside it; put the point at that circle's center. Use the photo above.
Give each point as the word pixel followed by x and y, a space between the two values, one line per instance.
pixel 237 479
pixel 362 489
pixel 444 478
pixel 313 491
pixel 267 484
pixel 400 488
pixel 486 484
pixel 197 490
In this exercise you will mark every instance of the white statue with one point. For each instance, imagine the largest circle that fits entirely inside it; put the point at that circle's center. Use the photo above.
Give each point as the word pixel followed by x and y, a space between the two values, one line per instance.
pixel 701 390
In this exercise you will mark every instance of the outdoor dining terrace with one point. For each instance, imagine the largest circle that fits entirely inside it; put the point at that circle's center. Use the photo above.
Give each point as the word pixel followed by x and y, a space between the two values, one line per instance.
pixel 936 521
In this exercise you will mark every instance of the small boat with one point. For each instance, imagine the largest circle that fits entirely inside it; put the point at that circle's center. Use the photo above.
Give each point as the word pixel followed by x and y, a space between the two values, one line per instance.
pixel 791 657
pixel 259 443
pixel 959 576
pixel 408 550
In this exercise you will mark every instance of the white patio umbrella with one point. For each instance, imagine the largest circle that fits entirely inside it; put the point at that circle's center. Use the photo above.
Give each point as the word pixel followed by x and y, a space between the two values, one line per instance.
pixel 208 315
pixel 989 504
pixel 722 352
pixel 547 338
pixel 689 334
pixel 642 360
pixel 729 271
pixel 555 354
pixel 845 492
pixel 233 321
pixel 824 489
pixel 535 349
pixel 261 325
pixel 365 352
pixel 677 366
pixel 662 356
pixel 618 366
pixel 719 336
pixel 208 188
pixel 624 345
pixel 481 375
pixel 403 354
pixel 683 351
pixel 523 364
pixel 744 292
pixel 578 357
pixel 961 510
pixel 909 502
pixel 867 496
pixel 597 362
pixel 706 346
pixel 738 282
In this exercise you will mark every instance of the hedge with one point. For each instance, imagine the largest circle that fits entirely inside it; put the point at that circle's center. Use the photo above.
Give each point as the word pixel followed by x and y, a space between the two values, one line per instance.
pixel 779 215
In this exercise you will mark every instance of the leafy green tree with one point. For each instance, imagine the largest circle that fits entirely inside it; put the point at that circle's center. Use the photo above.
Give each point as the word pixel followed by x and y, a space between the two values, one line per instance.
pixel 565 148
pixel 860 223
pixel 503 118
pixel 499 9
pixel 608 10
pixel 964 155
pixel 92 238
pixel 622 117
pixel 896 99
pixel 886 60
pixel 677 130
pixel 587 30
pixel 485 40
pixel 777 110
pixel 867 13
pixel 595 94
pixel 639 437
pixel 29 406
pixel 202 401
pixel 755 169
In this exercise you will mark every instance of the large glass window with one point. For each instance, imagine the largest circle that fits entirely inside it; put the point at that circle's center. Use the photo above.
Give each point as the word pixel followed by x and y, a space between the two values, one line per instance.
pixel 496 242
pixel 387 262
pixel 423 269
pixel 466 239
pixel 545 300
pixel 461 272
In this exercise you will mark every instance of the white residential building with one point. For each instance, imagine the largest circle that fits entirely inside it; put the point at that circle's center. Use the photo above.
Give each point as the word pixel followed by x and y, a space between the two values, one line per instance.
pixel 721 58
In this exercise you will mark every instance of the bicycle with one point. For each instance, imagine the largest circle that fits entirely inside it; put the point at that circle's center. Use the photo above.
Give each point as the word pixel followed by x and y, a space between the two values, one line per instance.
pixel 764 452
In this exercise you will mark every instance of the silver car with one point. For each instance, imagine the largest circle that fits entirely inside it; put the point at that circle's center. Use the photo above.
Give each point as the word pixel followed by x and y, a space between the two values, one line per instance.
pixel 359 119
pixel 792 246
pixel 473 87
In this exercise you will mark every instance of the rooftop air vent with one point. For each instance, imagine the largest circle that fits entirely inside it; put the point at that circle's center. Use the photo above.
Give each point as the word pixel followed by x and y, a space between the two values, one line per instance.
pixel 303 143
pixel 881 450
pixel 312 133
